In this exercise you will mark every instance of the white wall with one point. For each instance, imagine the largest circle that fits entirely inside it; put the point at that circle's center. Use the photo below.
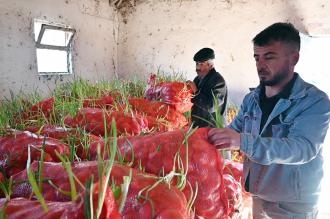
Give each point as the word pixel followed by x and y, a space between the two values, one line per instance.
pixel 161 34
pixel 95 46
pixel 166 34
pixel 314 67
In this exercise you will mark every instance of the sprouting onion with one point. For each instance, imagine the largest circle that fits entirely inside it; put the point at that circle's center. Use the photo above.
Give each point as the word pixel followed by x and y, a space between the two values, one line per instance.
pixel 33 182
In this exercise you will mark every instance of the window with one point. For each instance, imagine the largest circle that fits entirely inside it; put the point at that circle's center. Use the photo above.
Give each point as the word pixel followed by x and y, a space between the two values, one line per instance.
pixel 53 47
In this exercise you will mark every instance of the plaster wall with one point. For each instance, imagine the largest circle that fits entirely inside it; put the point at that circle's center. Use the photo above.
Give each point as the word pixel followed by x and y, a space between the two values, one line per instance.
pixel 156 34
pixel 166 34
pixel 95 47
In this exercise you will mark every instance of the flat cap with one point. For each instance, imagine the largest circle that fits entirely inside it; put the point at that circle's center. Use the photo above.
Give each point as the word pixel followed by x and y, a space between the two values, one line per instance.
pixel 204 55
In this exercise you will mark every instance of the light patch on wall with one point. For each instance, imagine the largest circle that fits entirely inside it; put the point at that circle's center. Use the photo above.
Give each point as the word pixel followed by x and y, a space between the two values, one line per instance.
pixel 313 67
pixel 53 47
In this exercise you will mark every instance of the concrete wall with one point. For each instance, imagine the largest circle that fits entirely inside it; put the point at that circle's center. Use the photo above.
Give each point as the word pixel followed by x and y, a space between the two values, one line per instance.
pixel 95 45
pixel 149 35
pixel 166 34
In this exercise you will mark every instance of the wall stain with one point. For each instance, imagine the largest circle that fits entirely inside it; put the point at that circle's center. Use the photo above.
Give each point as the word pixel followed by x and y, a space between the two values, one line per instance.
pixel 97 6
pixel 232 57
pixel 56 78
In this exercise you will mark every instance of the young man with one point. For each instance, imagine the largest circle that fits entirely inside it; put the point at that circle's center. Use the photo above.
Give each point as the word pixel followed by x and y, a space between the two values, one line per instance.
pixel 207 86
pixel 280 128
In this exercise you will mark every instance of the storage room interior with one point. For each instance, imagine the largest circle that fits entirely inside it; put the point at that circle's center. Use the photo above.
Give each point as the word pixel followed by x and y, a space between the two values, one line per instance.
pixel 126 39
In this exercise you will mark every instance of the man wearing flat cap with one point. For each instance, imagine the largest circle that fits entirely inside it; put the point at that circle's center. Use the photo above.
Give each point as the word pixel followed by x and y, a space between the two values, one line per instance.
pixel 208 86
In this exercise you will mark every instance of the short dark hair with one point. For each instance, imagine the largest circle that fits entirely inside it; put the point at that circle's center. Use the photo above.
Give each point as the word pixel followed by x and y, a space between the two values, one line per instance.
pixel 283 32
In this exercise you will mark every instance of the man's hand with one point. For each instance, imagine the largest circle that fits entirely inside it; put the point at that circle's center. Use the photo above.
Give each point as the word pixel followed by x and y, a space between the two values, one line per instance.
pixel 192 86
pixel 224 138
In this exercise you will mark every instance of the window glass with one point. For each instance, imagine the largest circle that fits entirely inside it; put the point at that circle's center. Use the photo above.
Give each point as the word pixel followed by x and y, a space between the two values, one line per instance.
pixel 52 60
pixel 53 47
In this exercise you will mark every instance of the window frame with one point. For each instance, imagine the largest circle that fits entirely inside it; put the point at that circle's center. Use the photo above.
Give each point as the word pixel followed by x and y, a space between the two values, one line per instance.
pixel 68 48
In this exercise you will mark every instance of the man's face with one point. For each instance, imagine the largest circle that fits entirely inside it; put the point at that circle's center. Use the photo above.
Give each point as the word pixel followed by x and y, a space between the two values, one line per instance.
pixel 275 63
pixel 202 68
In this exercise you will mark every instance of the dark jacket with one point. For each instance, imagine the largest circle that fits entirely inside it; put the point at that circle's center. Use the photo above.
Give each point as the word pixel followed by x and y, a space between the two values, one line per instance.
pixel 203 109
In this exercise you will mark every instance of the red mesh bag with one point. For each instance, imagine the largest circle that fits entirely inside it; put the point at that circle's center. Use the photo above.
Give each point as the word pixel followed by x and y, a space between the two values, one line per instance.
pixel 106 101
pixel 92 119
pixel 234 193
pixel 86 144
pixel 235 169
pixel 14 150
pixel 156 154
pixel 24 208
pixel 161 201
pixel 176 94
pixel 43 109
pixel 52 131
pixel 2 178
pixel 165 117
pixel 21 208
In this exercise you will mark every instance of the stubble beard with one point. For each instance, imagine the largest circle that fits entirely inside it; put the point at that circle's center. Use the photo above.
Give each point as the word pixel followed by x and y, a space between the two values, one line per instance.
pixel 279 77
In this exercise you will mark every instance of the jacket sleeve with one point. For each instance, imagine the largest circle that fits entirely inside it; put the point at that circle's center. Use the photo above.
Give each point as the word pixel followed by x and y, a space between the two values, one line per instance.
pixel 301 144
pixel 238 122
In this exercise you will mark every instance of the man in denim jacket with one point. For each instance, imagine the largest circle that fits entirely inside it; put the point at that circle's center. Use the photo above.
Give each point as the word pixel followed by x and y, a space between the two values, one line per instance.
pixel 280 129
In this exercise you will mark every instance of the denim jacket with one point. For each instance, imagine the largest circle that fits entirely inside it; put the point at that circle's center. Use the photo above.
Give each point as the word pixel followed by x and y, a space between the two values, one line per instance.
pixel 284 159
